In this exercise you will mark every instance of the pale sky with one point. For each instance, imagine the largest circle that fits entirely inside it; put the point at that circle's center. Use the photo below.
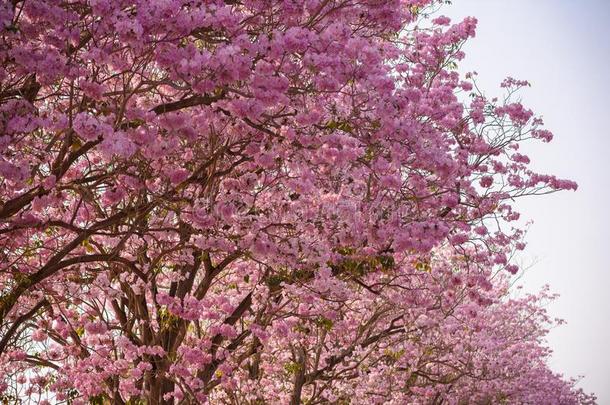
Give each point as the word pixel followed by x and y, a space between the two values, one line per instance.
pixel 563 48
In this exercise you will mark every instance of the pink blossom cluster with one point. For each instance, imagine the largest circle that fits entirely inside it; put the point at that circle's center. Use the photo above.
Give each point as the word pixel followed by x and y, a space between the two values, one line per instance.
pixel 260 201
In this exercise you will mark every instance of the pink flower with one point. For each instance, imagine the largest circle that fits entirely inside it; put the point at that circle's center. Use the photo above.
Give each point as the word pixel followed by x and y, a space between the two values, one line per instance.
pixel 95 328
pixel 39 335
pixel 442 20
pixel 89 127
pixel 486 181
pixel 177 176
pixel 92 90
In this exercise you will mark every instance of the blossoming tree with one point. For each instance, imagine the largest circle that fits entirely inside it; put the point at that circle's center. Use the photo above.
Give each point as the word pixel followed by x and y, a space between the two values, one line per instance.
pixel 261 202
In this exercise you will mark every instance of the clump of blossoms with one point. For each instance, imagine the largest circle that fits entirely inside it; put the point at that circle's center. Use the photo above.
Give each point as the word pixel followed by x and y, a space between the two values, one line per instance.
pixel 261 201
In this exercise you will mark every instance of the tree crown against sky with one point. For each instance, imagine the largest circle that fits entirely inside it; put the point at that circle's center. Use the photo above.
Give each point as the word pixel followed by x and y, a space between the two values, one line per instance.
pixel 261 202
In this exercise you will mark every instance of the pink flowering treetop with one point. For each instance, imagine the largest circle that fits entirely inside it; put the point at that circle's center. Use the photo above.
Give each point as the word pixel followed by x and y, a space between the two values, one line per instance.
pixel 261 202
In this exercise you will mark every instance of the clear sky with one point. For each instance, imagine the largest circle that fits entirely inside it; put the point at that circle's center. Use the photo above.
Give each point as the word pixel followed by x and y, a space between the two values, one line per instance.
pixel 563 48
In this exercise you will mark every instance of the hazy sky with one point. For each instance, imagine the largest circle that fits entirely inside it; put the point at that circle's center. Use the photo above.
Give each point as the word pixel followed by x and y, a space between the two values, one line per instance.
pixel 563 48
